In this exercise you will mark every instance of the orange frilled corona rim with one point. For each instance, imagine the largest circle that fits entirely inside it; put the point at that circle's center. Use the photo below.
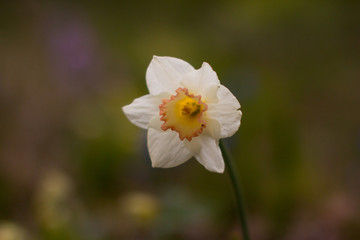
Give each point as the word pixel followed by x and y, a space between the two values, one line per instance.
pixel 183 113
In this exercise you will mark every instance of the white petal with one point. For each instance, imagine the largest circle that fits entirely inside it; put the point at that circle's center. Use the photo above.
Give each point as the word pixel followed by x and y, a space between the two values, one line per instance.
pixel 226 112
pixel 203 81
pixel 166 149
pixel 227 98
pixel 210 154
pixel 165 73
pixel 213 128
pixel 143 109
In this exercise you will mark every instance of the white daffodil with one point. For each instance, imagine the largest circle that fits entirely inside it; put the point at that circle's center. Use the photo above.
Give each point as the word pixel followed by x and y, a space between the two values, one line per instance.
pixel 186 113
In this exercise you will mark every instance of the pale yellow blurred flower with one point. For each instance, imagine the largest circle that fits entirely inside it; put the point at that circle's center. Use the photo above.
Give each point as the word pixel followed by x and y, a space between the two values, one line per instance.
pixel 11 231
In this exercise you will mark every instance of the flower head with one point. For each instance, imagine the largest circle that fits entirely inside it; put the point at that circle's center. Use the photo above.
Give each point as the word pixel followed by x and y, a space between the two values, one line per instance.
pixel 186 113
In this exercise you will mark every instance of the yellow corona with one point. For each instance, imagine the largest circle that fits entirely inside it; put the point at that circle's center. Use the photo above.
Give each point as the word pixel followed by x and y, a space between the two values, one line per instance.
pixel 183 113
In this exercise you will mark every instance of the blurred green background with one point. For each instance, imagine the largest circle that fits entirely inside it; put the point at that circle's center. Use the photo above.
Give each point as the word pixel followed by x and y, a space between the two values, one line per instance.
pixel 73 167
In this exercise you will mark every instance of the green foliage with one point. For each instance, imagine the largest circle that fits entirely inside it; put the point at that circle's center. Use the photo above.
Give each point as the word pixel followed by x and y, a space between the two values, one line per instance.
pixel 67 68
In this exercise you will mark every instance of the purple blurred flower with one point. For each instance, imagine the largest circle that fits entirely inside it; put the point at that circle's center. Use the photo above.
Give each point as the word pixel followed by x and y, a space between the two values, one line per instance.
pixel 72 49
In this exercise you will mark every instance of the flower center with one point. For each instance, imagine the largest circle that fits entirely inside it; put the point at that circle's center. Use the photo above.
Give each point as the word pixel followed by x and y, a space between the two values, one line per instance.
pixel 183 113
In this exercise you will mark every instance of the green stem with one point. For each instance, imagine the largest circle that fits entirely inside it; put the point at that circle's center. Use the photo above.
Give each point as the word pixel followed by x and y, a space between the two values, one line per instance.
pixel 235 184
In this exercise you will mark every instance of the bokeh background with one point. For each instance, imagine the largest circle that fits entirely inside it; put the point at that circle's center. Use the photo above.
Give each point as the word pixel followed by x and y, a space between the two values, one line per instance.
pixel 73 167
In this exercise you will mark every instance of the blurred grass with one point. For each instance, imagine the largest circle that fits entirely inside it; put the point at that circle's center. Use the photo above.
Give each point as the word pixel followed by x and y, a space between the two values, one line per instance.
pixel 67 68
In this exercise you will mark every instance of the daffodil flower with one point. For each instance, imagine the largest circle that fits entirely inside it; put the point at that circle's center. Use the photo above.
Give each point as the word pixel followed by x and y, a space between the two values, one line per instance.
pixel 186 113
